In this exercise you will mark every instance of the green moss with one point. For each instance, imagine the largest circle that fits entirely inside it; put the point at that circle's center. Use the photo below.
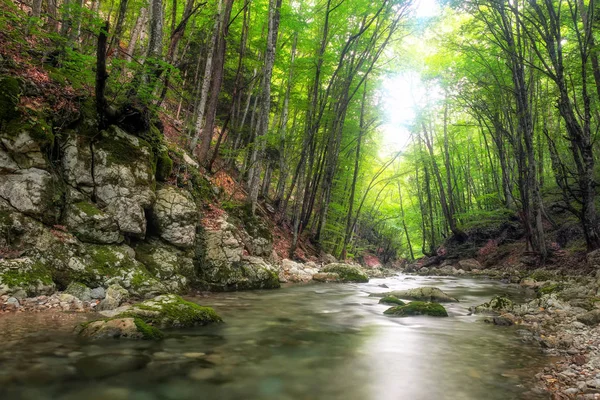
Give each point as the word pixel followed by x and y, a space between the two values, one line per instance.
pixel 164 166
pixel 35 125
pixel 27 278
pixel 392 300
pixel 172 311
pixel 149 332
pixel 541 275
pixel 550 288
pixel 10 91
pixel 347 273
pixel 88 208
pixel 254 225
pixel 418 308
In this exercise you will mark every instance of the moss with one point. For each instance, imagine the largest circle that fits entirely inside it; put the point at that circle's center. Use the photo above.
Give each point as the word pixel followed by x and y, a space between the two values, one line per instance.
pixel 10 91
pixel 88 208
pixel 254 225
pixel 164 166
pixel 550 288
pixel 148 331
pixel 347 273
pixel 35 125
pixel 392 300
pixel 541 275
pixel 27 277
pixel 418 308
pixel 172 311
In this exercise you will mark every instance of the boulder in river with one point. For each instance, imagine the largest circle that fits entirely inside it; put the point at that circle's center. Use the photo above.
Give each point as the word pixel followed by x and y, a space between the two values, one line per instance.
pixel 119 328
pixel 418 308
pixel 392 300
pixel 347 273
pixel 495 305
pixel 420 294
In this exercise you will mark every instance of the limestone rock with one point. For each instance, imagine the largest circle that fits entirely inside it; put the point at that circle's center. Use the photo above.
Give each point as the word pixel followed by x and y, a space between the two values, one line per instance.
pixel 421 294
pixel 129 215
pixel 77 163
pixel 417 308
pixel 23 150
pixel 79 290
pixel 327 258
pixel 98 293
pixel 119 328
pixel 25 274
pixel 171 311
pixel 590 318
pixel 469 264
pixel 173 267
pixel 326 277
pixel 494 306
pixel 32 192
pixel 115 295
pixel 175 216
pixel 347 273
pixel 291 271
pixel 90 224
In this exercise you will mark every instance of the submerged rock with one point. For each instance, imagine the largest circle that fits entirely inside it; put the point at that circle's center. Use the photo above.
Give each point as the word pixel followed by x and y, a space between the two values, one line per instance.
pixel 420 294
pixel 119 328
pixel 391 300
pixel 418 308
pixel 347 273
pixel 171 311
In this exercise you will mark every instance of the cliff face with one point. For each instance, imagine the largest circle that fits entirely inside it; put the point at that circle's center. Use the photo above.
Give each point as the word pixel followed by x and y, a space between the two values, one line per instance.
pixel 103 208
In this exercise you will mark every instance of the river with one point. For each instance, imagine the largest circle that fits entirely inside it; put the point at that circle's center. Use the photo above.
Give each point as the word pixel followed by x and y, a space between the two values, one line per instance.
pixel 318 341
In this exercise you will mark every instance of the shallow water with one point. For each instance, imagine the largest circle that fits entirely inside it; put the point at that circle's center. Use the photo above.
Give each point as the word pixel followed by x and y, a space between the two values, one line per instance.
pixel 322 341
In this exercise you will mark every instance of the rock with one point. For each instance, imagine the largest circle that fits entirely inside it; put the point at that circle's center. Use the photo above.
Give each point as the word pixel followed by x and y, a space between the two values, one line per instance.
pixel 33 192
pixel 13 302
pixel 469 264
pixel 418 308
pixel 175 216
pixel 77 161
pixel 25 274
pixel 495 305
pixel 391 300
pixel 171 311
pixel 173 267
pixel 119 328
pixel 502 321
pixel 190 161
pixel 130 216
pixel 98 293
pixel 347 273
pixel 422 294
pixel 291 271
pixel 104 365
pixel 23 149
pixel 92 225
pixel 327 258
pixel 590 318
pixel 115 295
pixel 326 277
pixel 79 290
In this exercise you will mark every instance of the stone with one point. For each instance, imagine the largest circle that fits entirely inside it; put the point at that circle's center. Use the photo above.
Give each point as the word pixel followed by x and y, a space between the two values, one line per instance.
pixel 421 294
pixel 119 328
pixel 326 277
pixel 25 274
pixel 418 308
pixel 590 318
pixel 495 305
pixel 98 293
pixel 291 271
pixel 391 300
pixel 13 302
pixel 346 272
pixel 130 216
pixel 79 290
pixel 77 162
pixel 115 295
pixel 171 311
pixel 31 191
pixel 469 264
pixel 175 216
pixel 173 267
pixel 327 258
pixel 23 150
pixel 92 225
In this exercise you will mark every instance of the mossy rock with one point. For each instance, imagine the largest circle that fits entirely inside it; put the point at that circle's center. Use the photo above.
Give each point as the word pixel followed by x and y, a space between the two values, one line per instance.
pixel 418 308
pixel 164 166
pixel 25 274
pixel 550 288
pixel 171 311
pixel 495 305
pixel 392 300
pixel 119 328
pixel 10 91
pixel 431 294
pixel 347 273
pixel 541 275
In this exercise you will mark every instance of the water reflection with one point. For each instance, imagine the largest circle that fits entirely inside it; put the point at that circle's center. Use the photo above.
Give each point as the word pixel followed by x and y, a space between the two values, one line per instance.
pixel 304 342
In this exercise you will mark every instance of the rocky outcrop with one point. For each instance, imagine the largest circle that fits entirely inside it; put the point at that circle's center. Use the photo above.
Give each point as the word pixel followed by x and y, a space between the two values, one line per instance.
pixel 92 225
pixel 173 267
pixel 175 216
pixel 32 192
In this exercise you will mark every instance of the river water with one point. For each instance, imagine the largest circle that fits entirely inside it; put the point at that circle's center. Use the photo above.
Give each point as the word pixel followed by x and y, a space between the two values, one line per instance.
pixel 318 341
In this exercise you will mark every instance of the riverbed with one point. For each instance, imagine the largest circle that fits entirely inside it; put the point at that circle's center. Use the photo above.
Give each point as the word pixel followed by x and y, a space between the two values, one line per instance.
pixel 316 341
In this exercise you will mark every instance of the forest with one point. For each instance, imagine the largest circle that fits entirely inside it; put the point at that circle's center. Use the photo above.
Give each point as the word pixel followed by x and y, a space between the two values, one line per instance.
pixel 286 98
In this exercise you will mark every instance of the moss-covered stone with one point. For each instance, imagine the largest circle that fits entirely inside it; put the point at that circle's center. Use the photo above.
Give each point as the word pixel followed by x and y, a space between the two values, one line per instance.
pixel 420 294
pixel 391 300
pixel 119 328
pixel 418 308
pixel 347 273
pixel 149 332
pixel 541 275
pixel 550 288
pixel 31 276
pixel 495 305
pixel 171 311
pixel 164 166
pixel 10 91
pixel 88 208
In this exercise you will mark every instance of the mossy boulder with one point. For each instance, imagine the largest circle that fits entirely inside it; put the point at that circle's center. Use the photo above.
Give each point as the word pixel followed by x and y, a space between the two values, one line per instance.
pixel 172 266
pixel 171 311
pixel 254 232
pixel 347 273
pixel 90 224
pixel 431 294
pixel 119 328
pixel 541 275
pixel 10 91
pixel 550 287
pixel 175 216
pixel 26 276
pixel 79 290
pixel 391 300
pixel 496 305
pixel 418 308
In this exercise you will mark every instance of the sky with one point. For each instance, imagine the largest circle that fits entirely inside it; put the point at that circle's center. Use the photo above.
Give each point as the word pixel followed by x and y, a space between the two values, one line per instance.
pixel 403 93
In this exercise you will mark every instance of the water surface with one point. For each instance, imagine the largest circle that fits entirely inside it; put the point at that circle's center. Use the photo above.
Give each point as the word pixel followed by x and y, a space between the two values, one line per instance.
pixel 320 341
